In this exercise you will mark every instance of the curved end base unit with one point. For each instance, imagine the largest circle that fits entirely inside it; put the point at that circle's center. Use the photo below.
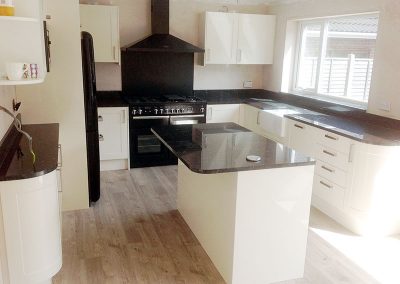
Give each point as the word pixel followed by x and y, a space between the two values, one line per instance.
pixel 30 236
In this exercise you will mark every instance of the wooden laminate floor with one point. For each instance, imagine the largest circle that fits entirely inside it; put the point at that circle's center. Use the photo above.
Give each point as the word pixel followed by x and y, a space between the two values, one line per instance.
pixel 134 234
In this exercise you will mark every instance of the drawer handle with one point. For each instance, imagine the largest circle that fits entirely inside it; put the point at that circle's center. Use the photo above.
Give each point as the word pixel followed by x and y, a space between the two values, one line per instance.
pixel 329 153
pixel 298 126
pixel 101 137
pixel 258 118
pixel 325 184
pixel 327 169
pixel 331 137
pixel 100 118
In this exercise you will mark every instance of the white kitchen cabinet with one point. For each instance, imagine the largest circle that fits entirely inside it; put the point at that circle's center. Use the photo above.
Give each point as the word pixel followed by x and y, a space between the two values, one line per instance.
pixel 255 40
pixel 30 236
pixel 23 40
pixel 232 38
pixel 354 183
pixel 223 113
pixel 220 38
pixel 103 23
pixel 113 137
pixel 252 119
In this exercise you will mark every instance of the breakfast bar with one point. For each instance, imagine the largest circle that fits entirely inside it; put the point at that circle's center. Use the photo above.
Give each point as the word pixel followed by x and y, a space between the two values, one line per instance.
pixel 246 198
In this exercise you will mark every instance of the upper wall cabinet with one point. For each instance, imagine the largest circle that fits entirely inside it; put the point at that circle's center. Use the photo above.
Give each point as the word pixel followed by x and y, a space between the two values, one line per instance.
pixel 103 23
pixel 22 42
pixel 232 38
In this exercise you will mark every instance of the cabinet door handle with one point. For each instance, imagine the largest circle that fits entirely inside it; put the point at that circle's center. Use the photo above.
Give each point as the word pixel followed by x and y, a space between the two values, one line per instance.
pixel 101 137
pixel 208 54
pixel 299 126
pixel 100 118
pixel 239 55
pixel 327 169
pixel 331 137
pixel 258 118
pixel 114 52
pixel 59 163
pixel 325 184
pixel 123 117
pixel 329 153
pixel 210 113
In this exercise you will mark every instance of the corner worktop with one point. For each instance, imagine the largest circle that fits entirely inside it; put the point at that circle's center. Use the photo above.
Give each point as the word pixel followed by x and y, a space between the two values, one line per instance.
pixel 16 160
pixel 348 121
pixel 223 147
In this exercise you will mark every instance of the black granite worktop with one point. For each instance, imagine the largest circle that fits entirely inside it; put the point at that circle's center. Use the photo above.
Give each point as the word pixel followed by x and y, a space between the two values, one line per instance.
pixel 110 99
pixel 351 122
pixel 15 158
pixel 223 147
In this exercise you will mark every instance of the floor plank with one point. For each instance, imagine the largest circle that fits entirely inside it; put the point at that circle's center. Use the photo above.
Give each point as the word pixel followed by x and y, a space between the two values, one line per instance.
pixel 134 234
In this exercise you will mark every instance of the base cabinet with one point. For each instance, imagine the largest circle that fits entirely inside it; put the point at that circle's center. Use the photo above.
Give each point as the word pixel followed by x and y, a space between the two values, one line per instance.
pixel 113 138
pixel 30 236
pixel 354 183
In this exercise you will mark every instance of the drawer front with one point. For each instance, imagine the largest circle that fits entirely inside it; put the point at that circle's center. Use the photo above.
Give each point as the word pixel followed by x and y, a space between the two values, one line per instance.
pixel 331 173
pixel 333 157
pixel 328 191
pixel 334 141
pixel 301 137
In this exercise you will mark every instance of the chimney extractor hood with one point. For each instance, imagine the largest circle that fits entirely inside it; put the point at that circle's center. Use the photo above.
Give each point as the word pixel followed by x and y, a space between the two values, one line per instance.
pixel 161 40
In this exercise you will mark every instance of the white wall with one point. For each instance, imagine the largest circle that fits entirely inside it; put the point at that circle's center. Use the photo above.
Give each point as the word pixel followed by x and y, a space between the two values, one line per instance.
pixel 385 86
pixel 184 23
pixel 60 99
pixel 7 93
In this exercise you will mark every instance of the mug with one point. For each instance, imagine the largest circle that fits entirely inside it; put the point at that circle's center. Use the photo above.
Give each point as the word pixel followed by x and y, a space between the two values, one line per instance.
pixel 17 71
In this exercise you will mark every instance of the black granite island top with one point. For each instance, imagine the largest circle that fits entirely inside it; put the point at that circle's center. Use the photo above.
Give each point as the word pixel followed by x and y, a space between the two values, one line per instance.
pixel 15 158
pixel 110 99
pixel 223 147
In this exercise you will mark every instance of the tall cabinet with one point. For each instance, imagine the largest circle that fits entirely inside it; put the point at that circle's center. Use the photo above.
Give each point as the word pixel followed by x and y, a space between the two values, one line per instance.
pixel 233 38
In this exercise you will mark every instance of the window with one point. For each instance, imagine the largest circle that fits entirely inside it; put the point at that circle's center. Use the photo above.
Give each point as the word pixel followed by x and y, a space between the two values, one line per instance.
pixel 335 56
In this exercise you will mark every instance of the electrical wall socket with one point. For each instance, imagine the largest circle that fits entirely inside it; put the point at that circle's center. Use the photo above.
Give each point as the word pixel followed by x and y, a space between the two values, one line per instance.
pixel 385 106
pixel 248 84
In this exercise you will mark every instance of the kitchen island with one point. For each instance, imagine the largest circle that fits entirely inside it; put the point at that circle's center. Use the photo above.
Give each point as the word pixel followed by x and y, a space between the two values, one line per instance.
pixel 251 217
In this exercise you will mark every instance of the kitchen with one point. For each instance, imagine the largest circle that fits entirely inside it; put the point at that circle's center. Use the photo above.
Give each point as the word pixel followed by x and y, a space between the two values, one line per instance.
pixel 133 233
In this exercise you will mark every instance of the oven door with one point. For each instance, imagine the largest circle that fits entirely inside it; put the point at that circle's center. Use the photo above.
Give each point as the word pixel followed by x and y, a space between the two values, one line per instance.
pixel 187 119
pixel 146 150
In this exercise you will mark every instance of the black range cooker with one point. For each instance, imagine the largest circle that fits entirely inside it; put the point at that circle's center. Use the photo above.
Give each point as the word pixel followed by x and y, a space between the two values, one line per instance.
pixel 148 111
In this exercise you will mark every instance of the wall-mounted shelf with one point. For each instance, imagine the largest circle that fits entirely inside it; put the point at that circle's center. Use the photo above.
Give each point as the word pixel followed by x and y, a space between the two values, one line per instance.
pixel 21 82
pixel 18 19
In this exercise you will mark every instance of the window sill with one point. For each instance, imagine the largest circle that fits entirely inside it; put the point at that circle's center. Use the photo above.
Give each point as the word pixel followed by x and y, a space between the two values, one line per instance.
pixel 331 99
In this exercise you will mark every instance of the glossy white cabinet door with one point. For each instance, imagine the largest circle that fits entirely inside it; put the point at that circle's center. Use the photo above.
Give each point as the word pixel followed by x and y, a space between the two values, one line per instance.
pixel 220 38
pixel 256 34
pixel 103 23
pixel 30 229
pixel 113 133
pixel 223 113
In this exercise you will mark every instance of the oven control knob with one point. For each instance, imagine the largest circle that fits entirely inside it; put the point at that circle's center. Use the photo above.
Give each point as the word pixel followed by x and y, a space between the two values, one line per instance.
pixel 161 111
pixel 140 111
pixel 172 110
pixel 156 111
pixel 167 110
pixel 182 110
pixel 178 110
pixel 202 109
pixel 134 111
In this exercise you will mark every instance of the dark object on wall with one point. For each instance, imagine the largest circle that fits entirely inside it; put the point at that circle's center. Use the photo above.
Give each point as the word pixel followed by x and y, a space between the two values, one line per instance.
pixel 47 43
pixel 91 117
pixel 155 74
pixel 161 40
